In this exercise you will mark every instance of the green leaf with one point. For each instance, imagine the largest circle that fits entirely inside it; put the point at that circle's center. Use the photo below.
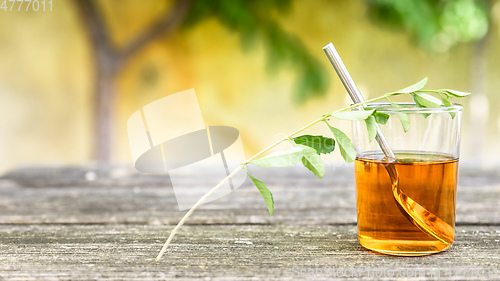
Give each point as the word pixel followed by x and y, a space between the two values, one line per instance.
pixel 415 87
pixel 421 105
pixel 320 143
pixel 405 121
pixel 426 100
pixel 371 125
pixel 403 117
pixel 280 158
pixel 312 161
pixel 380 117
pixel 457 94
pixel 266 194
pixel 345 144
pixel 356 115
pixel 447 103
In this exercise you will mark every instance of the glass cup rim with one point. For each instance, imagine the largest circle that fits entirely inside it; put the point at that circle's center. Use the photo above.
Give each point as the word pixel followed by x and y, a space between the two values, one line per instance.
pixel 411 107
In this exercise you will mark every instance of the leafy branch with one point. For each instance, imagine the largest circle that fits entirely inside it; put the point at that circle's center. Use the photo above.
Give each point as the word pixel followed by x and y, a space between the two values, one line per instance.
pixel 308 148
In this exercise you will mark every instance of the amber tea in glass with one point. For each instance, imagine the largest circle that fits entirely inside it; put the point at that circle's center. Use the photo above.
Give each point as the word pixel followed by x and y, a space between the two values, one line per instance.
pixel 427 169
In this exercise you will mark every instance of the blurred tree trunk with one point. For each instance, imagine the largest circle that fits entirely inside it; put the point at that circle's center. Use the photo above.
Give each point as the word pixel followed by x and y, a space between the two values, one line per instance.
pixel 110 59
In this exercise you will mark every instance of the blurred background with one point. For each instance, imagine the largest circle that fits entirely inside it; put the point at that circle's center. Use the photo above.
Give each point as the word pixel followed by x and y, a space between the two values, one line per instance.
pixel 71 77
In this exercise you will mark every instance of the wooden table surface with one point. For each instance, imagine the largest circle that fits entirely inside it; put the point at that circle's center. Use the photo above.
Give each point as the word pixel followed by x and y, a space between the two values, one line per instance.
pixel 85 223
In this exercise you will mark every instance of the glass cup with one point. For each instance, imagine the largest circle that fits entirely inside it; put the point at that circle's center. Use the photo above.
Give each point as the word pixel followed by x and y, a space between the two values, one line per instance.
pixel 406 206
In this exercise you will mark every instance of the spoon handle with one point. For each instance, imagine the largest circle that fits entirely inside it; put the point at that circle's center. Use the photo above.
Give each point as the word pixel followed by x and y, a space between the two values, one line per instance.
pixel 355 94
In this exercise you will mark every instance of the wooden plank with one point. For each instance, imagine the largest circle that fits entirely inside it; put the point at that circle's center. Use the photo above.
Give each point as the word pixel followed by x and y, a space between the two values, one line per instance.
pixel 56 224
pixel 300 198
pixel 225 252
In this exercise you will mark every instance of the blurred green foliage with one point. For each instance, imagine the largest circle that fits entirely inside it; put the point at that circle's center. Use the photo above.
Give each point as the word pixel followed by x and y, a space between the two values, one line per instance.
pixel 255 21
pixel 435 25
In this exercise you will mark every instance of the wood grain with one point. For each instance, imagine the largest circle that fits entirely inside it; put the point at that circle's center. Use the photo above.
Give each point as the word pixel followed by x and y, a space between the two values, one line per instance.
pixel 55 224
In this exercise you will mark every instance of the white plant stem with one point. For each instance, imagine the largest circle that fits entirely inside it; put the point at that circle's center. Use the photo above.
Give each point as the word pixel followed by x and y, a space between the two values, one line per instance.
pixel 241 166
